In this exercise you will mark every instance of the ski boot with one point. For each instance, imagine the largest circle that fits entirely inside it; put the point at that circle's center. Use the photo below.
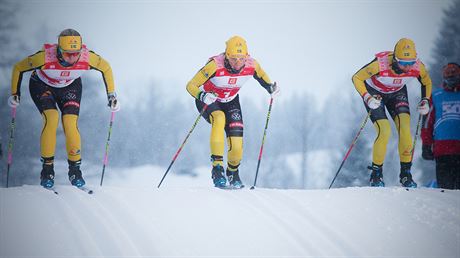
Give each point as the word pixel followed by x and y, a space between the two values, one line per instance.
pixel 405 177
pixel 75 175
pixel 218 176
pixel 47 175
pixel 376 179
pixel 234 178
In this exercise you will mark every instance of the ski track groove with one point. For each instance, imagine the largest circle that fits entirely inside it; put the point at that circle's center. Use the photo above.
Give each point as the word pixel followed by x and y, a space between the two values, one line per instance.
pixel 297 233
pixel 84 199
pixel 70 212
pixel 325 230
pixel 120 236
pixel 281 226
pixel 134 217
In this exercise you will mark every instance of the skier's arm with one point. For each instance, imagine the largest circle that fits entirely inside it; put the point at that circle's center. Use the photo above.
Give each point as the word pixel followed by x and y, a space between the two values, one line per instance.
pixel 261 76
pixel 204 74
pixel 425 82
pixel 363 74
pixel 98 63
pixel 27 64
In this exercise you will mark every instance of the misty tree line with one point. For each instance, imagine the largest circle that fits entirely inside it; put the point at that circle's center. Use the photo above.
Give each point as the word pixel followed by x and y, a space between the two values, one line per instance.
pixel 301 138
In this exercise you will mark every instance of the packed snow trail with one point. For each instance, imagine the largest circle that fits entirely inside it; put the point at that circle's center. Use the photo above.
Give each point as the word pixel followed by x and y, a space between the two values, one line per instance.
pixel 205 221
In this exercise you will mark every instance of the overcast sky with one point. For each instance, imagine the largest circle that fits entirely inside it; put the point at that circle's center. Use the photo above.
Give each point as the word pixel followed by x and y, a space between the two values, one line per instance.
pixel 307 46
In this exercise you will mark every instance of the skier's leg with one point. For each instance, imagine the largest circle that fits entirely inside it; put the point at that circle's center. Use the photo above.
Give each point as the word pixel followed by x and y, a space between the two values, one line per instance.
pixel 234 129
pixel 69 103
pixel 235 152
pixel 398 107
pixel 72 135
pixel 383 134
pixel 383 130
pixel 43 98
pixel 48 136
pixel 217 142
pixel 402 122
pixel 216 117
pixel 217 139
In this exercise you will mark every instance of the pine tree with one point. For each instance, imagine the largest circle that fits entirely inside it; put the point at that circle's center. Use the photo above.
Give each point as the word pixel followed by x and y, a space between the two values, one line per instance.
pixel 447 47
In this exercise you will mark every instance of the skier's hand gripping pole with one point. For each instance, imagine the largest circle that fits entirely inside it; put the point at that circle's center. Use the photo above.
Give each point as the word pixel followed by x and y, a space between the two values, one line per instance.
pixel 183 143
pixel 263 141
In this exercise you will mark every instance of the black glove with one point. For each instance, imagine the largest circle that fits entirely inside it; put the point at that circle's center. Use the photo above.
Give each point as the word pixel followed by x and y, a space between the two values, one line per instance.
pixel 427 153
pixel 273 89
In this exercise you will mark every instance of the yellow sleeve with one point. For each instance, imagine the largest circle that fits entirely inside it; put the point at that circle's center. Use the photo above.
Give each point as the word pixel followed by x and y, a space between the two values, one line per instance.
pixel 204 74
pixel 425 82
pixel 261 76
pixel 98 63
pixel 27 64
pixel 363 74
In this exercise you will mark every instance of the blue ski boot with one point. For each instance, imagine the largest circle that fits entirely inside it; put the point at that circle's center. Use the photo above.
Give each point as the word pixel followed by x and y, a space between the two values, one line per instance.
pixel 405 177
pixel 376 179
pixel 75 175
pixel 47 176
pixel 234 178
pixel 218 176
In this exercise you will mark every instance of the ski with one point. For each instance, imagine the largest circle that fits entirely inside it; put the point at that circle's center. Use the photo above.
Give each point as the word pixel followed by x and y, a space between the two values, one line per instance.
pixel 51 189
pixel 230 187
pixel 85 189
pixel 440 190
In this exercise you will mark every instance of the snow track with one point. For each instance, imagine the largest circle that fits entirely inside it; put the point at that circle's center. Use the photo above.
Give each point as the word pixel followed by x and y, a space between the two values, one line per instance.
pixel 129 222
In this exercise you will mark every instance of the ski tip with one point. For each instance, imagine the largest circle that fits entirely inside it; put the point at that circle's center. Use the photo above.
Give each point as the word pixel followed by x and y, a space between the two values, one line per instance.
pixel 90 192
pixel 407 189
pixel 252 187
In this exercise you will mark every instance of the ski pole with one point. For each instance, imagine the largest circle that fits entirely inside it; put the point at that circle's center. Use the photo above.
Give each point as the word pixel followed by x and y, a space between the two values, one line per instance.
pixel 183 143
pixel 10 144
pixel 263 141
pixel 416 136
pixel 106 156
pixel 351 147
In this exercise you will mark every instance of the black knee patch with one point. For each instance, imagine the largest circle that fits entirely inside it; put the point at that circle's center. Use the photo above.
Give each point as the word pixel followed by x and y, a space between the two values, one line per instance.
pixel 70 102
pixel 234 125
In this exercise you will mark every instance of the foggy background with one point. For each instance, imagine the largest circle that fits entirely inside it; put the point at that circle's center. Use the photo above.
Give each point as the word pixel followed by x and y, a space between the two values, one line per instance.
pixel 311 48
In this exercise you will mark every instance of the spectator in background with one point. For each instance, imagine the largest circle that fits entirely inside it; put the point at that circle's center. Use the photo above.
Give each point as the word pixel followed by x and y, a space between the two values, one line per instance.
pixel 441 130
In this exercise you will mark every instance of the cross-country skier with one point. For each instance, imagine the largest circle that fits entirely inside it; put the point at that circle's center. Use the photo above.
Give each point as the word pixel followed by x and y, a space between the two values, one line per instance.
pixel 55 83
pixel 216 85
pixel 441 130
pixel 382 84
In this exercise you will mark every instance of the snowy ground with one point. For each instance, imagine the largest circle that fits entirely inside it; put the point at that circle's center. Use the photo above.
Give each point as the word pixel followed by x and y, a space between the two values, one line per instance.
pixel 186 217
